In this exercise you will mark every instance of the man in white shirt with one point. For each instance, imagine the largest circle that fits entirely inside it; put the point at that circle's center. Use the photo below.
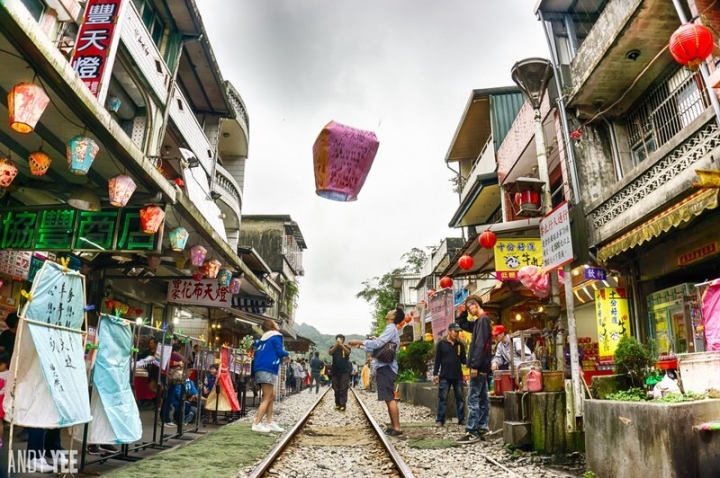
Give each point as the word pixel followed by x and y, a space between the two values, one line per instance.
pixel 501 360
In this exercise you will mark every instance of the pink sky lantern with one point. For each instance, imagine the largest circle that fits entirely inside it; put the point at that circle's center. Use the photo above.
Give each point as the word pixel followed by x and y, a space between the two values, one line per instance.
pixel 342 157
pixel 197 255
pixel 121 188
pixel 235 284
pixel 211 268
pixel 151 218
pixel 26 103
pixel 178 238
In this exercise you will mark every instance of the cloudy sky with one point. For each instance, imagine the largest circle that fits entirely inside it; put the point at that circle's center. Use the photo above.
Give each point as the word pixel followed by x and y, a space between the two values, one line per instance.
pixel 402 68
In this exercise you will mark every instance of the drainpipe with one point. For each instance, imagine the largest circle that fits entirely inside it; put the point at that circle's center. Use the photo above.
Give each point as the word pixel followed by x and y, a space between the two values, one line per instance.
pixel 704 72
pixel 614 148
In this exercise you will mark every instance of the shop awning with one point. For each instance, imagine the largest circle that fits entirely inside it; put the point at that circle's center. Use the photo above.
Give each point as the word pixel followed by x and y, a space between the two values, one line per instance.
pixel 684 211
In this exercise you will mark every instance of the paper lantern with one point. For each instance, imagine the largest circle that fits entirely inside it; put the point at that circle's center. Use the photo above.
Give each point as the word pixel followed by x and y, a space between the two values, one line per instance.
pixel 211 268
pixel 81 152
pixel 26 103
pixel 235 284
pixel 487 239
pixel 466 262
pixel 224 277
pixel 691 44
pixel 178 238
pixel 151 218
pixel 197 255
pixel 446 282
pixel 39 163
pixel 342 157
pixel 8 171
pixel 121 188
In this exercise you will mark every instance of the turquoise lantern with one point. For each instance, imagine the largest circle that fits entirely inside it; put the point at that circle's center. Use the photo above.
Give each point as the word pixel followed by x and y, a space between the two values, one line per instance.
pixel 81 151
pixel 224 277
pixel 178 238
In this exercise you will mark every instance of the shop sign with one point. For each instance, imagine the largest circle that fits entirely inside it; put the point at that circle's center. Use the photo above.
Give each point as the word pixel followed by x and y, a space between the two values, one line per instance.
pixel 513 254
pixel 556 238
pixel 97 44
pixel 595 273
pixel 612 318
pixel 204 292
pixel 15 264
pixel 68 229
pixel 698 254
pixel 442 313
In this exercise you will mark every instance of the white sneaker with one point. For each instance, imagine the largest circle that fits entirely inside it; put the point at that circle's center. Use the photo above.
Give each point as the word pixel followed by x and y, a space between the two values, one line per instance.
pixel 260 427
pixel 61 460
pixel 39 465
pixel 170 425
pixel 275 427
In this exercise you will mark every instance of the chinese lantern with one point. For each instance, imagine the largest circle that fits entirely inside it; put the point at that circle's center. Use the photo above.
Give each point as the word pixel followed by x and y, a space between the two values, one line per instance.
pixel 81 152
pixel 211 268
pixel 487 239
pixel 691 44
pixel 151 218
pixel 8 171
pixel 466 262
pixel 235 284
pixel 178 238
pixel 446 282
pixel 39 163
pixel 224 277
pixel 26 103
pixel 121 188
pixel 197 255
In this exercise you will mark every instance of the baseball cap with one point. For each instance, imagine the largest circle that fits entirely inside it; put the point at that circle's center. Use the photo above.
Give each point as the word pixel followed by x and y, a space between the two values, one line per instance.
pixel 454 326
pixel 498 329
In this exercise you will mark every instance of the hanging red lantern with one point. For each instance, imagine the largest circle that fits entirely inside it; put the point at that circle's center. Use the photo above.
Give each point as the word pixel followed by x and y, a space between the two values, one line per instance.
pixel 446 282
pixel 151 218
pixel 487 239
pixel 8 171
pixel 691 44
pixel 39 163
pixel 26 103
pixel 466 262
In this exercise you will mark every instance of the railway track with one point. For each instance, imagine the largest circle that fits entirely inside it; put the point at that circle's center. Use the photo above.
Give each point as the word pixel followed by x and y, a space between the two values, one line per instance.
pixel 332 443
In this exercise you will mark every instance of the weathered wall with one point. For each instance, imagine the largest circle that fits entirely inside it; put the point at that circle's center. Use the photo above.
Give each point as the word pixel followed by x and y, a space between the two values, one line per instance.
pixel 267 238
pixel 596 172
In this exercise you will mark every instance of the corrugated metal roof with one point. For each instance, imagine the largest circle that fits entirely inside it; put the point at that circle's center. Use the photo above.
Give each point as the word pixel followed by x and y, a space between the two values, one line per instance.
pixel 503 110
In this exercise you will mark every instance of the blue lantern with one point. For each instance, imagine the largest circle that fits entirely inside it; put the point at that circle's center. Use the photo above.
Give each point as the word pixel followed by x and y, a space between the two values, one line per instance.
pixel 114 103
pixel 224 278
pixel 178 238
pixel 81 152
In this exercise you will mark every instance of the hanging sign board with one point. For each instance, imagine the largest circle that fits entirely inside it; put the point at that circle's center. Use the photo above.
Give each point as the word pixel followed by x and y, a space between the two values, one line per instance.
pixel 513 254
pixel 204 292
pixel 442 313
pixel 556 239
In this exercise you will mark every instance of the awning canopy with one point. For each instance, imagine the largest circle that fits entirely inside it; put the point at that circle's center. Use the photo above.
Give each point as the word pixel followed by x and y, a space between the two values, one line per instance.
pixel 684 211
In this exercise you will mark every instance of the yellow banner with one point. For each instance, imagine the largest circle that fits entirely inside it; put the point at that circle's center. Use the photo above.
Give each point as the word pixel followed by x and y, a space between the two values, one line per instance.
pixel 513 254
pixel 613 318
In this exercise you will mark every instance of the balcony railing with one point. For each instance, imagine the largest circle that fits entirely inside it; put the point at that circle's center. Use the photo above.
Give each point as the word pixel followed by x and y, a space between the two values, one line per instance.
pixel 293 254
pixel 226 185
pixel 485 163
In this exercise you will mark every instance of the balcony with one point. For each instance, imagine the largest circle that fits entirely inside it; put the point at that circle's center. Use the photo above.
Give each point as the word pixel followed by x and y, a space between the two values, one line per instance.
pixel 480 196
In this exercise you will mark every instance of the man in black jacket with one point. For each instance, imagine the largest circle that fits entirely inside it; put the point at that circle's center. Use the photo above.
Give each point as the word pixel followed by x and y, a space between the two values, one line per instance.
pixel 447 372
pixel 474 320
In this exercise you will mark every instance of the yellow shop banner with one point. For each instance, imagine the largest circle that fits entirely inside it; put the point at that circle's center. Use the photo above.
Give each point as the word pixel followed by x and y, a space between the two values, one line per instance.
pixel 613 318
pixel 513 254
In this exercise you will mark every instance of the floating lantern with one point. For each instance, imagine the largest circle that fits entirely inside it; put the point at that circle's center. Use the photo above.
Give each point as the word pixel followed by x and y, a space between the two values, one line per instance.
pixel 235 284
pixel 691 44
pixel 121 188
pixel 211 268
pixel 8 171
pixel 224 277
pixel 487 239
pixel 151 218
pixel 446 282
pixel 26 103
pixel 466 262
pixel 342 157
pixel 197 255
pixel 178 238
pixel 81 152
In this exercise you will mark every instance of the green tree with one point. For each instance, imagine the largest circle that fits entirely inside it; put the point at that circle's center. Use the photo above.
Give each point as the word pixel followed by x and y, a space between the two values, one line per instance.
pixel 414 260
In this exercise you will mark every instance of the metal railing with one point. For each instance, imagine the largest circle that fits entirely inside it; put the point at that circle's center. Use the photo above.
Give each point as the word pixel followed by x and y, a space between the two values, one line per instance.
pixel 487 153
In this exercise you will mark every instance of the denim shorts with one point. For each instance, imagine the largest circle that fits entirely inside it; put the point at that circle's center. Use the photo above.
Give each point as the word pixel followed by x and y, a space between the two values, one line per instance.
pixel 265 377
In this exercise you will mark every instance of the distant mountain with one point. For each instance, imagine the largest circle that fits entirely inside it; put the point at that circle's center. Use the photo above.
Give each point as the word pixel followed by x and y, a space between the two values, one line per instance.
pixel 323 342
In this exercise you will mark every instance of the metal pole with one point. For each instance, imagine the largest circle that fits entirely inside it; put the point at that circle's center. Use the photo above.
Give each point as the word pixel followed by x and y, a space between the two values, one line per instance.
pixel 572 337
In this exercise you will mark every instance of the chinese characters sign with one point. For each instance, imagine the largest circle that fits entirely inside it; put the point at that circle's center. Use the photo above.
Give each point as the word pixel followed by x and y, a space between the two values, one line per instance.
pixel 555 237
pixel 442 313
pixel 513 254
pixel 53 229
pixel 15 264
pixel 96 45
pixel 204 292
pixel 698 254
pixel 612 318
pixel 595 273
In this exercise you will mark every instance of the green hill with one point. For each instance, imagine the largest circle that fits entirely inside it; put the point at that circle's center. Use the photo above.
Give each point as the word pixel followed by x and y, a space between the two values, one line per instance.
pixel 323 342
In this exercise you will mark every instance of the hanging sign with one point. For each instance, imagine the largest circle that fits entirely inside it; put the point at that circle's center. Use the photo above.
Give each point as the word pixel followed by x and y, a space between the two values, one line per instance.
pixel 612 318
pixel 595 273
pixel 204 292
pixel 513 254
pixel 442 313
pixel 555 237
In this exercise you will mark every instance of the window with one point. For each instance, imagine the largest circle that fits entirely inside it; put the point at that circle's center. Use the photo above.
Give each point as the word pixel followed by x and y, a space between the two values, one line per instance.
pixel 152 20
pixel 35 7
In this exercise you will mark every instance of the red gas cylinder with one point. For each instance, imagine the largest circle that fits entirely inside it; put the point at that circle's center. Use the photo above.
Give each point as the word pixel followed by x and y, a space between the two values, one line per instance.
pixel 503 382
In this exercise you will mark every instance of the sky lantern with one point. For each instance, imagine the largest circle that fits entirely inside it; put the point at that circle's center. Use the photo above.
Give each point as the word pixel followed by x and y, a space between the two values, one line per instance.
pixel 691 44
pixel 235 284
pixel 121 188
pixel 466 262
pixel 8 171
pixel 487 239
pixel 39 163
pixel 197 255
pixel 342 157
pixel 178 238
pixel 26 103
pixel 212 268
pixel 224 277
pixel 151 218
pixel 81 152
pixel 446 282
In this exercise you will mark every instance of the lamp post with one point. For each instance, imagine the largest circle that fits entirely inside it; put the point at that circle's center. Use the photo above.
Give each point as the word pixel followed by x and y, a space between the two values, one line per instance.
pixel 532 76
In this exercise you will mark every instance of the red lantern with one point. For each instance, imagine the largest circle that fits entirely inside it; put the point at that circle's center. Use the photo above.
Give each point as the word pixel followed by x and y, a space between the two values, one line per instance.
pixel 466 262
pixel 691 44
pixel 151 218
pixel 446 282
pixel 26 103
pixel 487 239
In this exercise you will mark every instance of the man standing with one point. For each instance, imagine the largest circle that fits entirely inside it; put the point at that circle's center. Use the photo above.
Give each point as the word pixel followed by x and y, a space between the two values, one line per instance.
pixel 340 371
pixel 474 320
pixel 316 366
pixel 447 372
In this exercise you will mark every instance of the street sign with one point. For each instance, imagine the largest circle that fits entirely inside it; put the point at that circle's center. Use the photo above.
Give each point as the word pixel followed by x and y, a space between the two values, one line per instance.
pixel 555 238
pixel 595 273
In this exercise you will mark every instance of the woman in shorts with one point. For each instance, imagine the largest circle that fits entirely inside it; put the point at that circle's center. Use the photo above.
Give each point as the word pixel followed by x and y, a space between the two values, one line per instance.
pixel 269 353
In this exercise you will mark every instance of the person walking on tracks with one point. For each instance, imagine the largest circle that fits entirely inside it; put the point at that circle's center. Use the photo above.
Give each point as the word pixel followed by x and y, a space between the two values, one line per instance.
pixel 340 371
pixel 269 352
pixel 316 367
pixel 386 372
pixel 447 372
pixel 474 320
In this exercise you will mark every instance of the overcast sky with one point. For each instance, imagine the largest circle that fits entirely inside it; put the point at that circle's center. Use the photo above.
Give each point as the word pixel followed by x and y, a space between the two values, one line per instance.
pixel 402 68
